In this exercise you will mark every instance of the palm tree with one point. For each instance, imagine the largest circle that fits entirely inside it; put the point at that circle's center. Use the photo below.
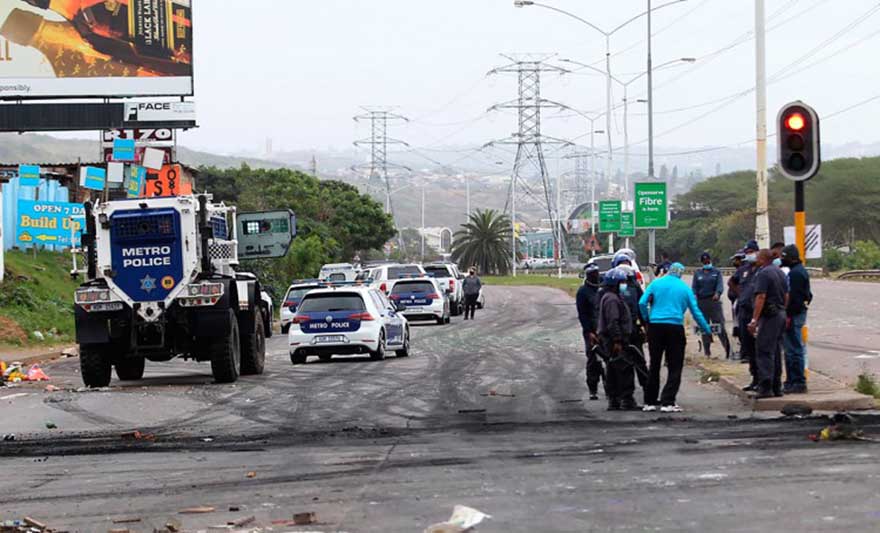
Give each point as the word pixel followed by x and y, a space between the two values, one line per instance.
pixel 484 241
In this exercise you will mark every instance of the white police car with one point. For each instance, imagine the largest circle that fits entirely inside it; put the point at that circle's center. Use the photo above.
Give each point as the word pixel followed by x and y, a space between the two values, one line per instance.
pixel 422 298
pixel 345 321
pixel 295 293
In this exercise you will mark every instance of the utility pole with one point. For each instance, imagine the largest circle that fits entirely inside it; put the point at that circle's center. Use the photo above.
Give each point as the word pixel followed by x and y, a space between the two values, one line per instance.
pixel 529 142
pixel 423 223
pixel 762 218
pixel 379 164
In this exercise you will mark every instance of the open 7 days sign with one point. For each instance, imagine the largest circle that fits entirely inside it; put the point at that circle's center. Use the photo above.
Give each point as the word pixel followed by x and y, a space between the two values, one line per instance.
pixel 651 205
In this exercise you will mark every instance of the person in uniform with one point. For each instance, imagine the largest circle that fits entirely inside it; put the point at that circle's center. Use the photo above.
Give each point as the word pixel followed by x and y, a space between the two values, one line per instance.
pixel 768 324
pixel 587 301
pixel 737 261
pixel 631 294
pixel 615 328
pixel 471 287
pixel 708 285
pixel 744 308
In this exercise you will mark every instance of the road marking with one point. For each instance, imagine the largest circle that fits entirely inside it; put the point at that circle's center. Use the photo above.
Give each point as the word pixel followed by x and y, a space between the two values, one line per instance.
pixel 19 395
pixel 873 354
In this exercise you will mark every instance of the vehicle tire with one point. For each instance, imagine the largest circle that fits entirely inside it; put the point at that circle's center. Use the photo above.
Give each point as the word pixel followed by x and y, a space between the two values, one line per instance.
pixel 226 354
pixel 404 352
pixel 267 323
pixel 440 320
pixel 379 354
pixel 94 366
pixel 448 319
pixel 298 357
pixel 130 369
pixel 326 357
pixel 285 328
pixel 455 309
pixel 253 349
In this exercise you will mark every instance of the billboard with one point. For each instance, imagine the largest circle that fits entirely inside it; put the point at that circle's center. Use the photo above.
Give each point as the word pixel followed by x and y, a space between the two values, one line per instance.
pixel 49 223
pixel 102 48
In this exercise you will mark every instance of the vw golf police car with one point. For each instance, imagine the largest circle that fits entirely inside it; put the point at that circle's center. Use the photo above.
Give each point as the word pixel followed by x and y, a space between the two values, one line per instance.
pixel 422 299
pixel 345 321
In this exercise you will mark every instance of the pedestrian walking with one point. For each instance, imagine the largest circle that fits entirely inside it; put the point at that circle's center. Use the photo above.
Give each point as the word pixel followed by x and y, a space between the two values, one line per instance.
pixel 615 327
pixel 471 287
pixel 587 300
pixel 768 324
pixel 799 299
pixel 664 303
pixel 745 277
pixel 708 285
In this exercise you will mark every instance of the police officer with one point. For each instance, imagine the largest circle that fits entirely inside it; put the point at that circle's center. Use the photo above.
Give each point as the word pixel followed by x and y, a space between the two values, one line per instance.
pixel 744 279
pixel 736 261
pixel 768 324
pixel 708 286
pixel 631 294
pixel 615 328
pixel 800 297
pixel 587 301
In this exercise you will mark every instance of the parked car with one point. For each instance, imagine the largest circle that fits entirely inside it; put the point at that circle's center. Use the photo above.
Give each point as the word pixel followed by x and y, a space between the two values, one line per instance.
pixel 295 293
pixel 382 274
pixel 354 319
pixel 338 272
pixel 449 278
pixel 421 299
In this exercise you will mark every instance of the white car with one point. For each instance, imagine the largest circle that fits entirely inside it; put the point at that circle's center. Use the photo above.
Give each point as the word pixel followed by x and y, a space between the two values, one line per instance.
pixel 338 272
pixel 295 293
pixel 382 274
pixel 420 299
pixel 449 278
pixel 345 321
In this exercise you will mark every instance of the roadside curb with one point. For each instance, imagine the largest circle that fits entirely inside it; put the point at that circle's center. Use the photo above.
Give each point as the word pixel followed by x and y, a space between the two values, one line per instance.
pixel 46 357
pixel 826 394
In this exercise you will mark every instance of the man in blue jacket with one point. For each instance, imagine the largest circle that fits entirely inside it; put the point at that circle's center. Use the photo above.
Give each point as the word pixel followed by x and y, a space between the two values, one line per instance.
pixel 664 303
pixel 587 301
pixel 708 285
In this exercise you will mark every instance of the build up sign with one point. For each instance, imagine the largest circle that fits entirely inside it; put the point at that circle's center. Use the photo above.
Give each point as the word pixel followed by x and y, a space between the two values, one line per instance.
pixel 609 216
pixel 651 205
pixel 55 223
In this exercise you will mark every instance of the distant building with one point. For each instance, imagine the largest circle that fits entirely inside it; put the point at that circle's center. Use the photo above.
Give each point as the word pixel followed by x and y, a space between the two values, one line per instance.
pixel 439 239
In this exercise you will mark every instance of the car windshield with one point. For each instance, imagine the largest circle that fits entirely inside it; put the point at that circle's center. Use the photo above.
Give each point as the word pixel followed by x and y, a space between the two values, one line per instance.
pixel 398 272
pixel 297 294
pixel 604 263
pixel 338 276
pixel 330 302
pixel 437 271
pixel 412 286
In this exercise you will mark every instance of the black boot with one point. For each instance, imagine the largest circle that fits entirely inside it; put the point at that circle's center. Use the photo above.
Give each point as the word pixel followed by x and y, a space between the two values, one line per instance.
pixel 613 405
pixel 630 404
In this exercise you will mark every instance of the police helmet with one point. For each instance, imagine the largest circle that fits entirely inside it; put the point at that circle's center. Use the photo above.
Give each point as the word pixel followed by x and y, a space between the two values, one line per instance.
pixel 628 270
pixel 614 277
pixel 592 267
pixel 619 258
pixel 629 252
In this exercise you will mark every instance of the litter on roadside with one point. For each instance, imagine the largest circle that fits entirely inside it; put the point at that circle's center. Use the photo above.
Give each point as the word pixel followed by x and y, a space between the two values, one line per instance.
pixel 51 425
pixel 197 510
pixel 35 373
pixel 463 518
pixel 304 519
pixel 137 435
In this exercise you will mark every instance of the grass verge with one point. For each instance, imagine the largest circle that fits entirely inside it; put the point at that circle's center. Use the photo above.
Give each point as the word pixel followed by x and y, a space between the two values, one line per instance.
pixel 36 296
pixel 569 285
pixel 867 384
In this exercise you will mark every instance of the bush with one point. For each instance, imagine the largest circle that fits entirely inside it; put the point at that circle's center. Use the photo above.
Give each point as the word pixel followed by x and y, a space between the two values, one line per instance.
pixel 834 260
pixel 865 256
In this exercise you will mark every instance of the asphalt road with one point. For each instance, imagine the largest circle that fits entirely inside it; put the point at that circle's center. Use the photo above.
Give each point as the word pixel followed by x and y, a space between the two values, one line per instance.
pixel 394 445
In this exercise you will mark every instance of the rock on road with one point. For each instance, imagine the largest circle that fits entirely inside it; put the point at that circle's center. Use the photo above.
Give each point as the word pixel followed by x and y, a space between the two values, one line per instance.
pixel 490 414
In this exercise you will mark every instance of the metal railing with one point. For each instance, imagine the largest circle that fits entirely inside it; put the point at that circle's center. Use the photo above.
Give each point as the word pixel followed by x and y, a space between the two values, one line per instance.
pixel 856 274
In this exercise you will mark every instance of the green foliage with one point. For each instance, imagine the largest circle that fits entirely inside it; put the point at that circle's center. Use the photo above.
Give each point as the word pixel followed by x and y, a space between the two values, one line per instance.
pixel 834 259
pixel 334 220
pixel 865 256
pixel 484 241
pixel 867 384
pixel 37 295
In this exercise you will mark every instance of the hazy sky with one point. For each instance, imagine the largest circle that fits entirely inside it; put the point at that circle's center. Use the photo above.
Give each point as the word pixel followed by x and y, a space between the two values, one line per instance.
pixel 298 70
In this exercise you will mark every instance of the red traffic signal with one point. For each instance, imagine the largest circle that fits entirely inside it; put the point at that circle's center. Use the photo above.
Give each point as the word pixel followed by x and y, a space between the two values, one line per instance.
pixel 799 146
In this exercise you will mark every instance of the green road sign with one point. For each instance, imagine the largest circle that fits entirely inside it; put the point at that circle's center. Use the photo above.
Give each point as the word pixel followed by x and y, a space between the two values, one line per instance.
pixel 651 205
pixel 609 216
pixel 627 225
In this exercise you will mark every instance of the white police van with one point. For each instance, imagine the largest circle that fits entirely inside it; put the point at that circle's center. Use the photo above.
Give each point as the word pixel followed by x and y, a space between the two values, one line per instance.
pixel 346 321
pixel 422 299
pixel 338 272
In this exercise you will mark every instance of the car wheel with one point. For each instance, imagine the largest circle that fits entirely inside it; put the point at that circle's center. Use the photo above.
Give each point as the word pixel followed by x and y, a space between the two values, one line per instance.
pixel 326 357
pixel 130 369
pixel 441 320
pixel 226 354
pixel 379 354
pixel 95 367
pixel 285 328
pixel 404 352
pixel 298 357
pixel 253 348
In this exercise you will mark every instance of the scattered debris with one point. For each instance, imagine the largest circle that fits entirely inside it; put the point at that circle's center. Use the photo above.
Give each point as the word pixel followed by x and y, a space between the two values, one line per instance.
pixel 119 530
pixel 470 411
pixel 173 525
pixel 51 425
pixel 571 401
pixel 196 510
pixel 35 373
pixel 35 523
pixel 52 388
pixel 305 519
pixel 39 335
pixel 72 351
pixel 462 519
pixel 9 437
pixel 208 439
pixel 251 474
pixel 493 392
pixel 234 509
pixel 129 520
pixel 241 522
pixel 137 435
pixel 796 409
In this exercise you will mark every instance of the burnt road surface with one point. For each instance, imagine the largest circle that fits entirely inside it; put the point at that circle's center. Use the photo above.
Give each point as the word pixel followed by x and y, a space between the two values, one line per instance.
pixel 491 414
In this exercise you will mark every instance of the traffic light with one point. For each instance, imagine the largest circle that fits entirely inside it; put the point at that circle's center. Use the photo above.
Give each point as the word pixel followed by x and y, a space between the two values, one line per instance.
pixel 799 147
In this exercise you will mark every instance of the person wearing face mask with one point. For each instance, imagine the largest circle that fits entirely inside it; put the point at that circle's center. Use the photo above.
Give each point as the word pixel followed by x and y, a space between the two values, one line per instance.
pixel 631 293
pixel 664 303
pixel 768 324
pixel 800 297
pixel 587 301
pixel 708 285
pixel 615 328
pixel 745 276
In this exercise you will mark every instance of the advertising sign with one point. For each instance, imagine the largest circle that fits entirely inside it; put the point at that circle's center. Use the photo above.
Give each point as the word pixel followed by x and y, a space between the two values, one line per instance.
pixel 134 181
pixel 123 150
pixel 652 206
pixel 29 175
pixel 79 48
pixel 167 182
pixel 49 223
pixel 143 137
pixel 609 216
pixel 627 224
pixel 160 111
pixel 92 178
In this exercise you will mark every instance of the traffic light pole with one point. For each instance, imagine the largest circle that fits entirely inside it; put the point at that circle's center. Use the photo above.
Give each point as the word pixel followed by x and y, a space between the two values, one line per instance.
pixel 800 220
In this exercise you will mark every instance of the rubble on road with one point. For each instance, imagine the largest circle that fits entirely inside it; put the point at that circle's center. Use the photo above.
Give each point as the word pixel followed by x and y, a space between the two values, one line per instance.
pixel 463 519
pixel 15 372
pixel 25 525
